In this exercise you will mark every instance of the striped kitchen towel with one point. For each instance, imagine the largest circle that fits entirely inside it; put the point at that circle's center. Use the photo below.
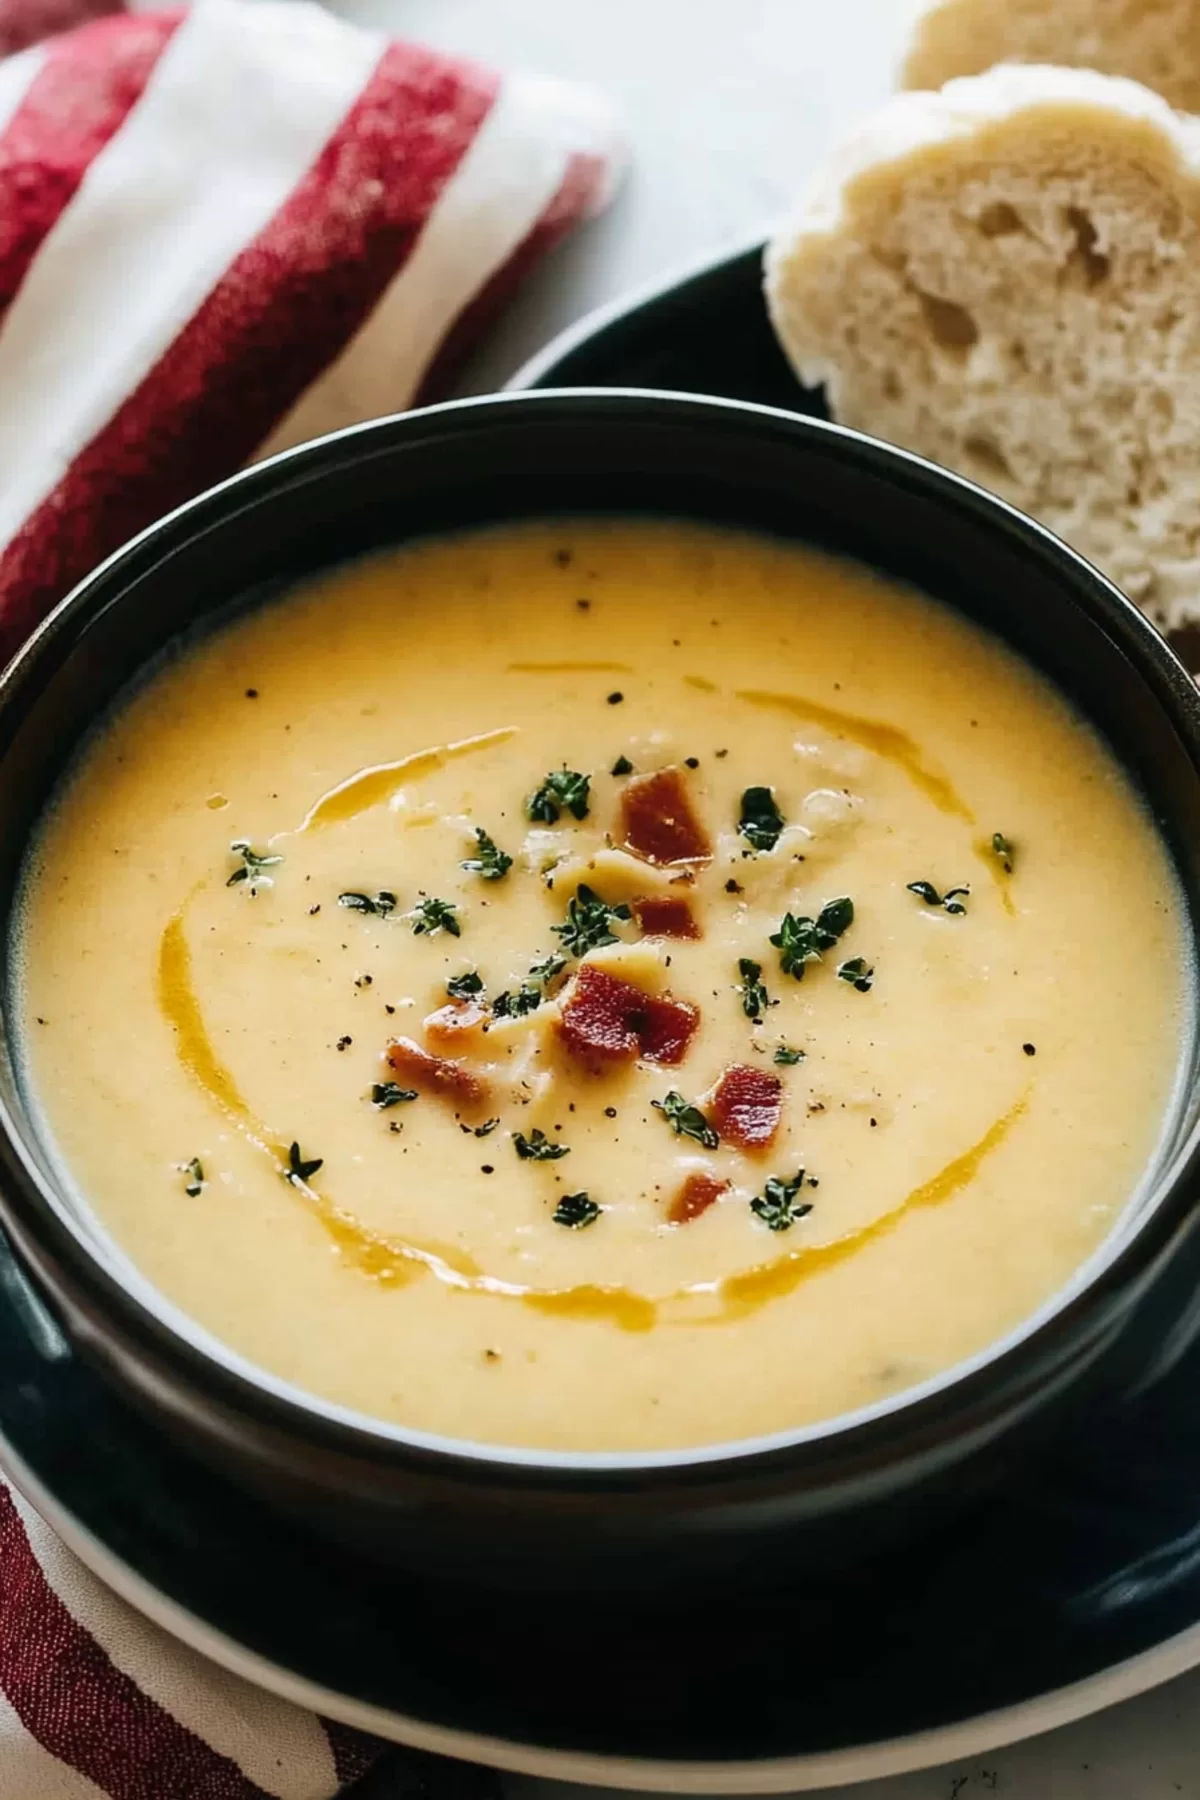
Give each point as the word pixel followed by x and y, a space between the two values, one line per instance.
pixel 225 230
pixel 96 1701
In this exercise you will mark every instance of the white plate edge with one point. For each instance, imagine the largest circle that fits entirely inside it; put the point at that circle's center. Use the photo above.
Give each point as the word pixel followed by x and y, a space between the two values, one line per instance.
pixel 780 1775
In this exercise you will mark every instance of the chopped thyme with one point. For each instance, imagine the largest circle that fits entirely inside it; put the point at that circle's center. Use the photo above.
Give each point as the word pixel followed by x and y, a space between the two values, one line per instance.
pixel 562 789
pixel 486 1129
pixel 779 1206
pixel 575 1211
pixel 858 973
pixel 622 766
pixel 490 864
pixel 514 1003
pixel 786 1057
pixel 1004 851
pixel 466 986
pixel 532 991
pixel 390 1093
pixel 545 971
pixel 252 865
pixel 951 901
pixel 381 904
pixel 803 940
pixel 537 1147
pixel 755 999
pixel 588 921
pixel 687 1121
pixel 431 916
pixel 761 820
pixel 194 1171
pixel 299 1170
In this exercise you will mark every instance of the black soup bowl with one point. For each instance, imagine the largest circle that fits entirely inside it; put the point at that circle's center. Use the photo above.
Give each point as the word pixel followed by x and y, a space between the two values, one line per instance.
pixel 510 1515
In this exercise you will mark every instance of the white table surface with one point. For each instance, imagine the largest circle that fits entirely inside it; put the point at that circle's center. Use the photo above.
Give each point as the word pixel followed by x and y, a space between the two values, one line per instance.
pixel 728 104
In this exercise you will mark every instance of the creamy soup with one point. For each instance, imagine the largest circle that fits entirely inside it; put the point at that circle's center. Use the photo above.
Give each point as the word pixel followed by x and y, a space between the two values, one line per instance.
pixel 607 985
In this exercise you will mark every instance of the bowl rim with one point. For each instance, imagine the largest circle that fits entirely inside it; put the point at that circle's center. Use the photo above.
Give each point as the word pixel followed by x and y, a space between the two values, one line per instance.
pixel 46 1228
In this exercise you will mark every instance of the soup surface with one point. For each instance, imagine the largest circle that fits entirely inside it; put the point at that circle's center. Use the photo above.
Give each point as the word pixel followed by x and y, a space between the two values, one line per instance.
pixel 666 986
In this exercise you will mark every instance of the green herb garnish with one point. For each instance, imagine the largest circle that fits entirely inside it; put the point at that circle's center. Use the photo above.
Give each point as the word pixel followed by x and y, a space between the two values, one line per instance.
pixel 465 987
pixel 195 1177
pixel 431 916
pixel 545 971
pixel 562 789
pixel 786 1057
pixel 801 941
pixel 755 999
pixel 622 766
pixel 687 1121
pixel 575 1211
pixel 299 1170
pixel 537 1147
pixel 532 991
pixel 491 864
pixel 486 1129
pixel 779 1205
pixel 382 903
pixel 951 901
pixel 761 820
pixel 858 972
pixel 1003 851
pixel 390 1093
pixel 516 1002
pixel 587 923
pixel 252 865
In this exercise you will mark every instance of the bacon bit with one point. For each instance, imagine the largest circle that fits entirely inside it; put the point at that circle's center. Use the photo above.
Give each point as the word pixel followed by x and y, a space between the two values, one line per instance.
pixel 605 1019
pixel 696 1195
pixel 597 1017
pixel 746 1106
pixel 665 915
pixel 657 820
pixel 667 1029
pixel 460 1019
pixel 435 1074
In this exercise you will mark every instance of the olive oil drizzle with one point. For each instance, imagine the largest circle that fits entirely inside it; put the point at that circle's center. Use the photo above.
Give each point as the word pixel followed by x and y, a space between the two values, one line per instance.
pixel 394 1261
pixel 384 1259
pixel 180 1008
pixel 375 785
pixel 570 668
pixel 742 1294
pixel 887 741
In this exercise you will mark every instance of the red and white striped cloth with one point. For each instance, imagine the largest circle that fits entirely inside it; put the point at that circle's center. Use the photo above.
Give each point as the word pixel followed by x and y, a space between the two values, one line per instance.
pixel 222 231
pixel 225 230
pixel 94 1700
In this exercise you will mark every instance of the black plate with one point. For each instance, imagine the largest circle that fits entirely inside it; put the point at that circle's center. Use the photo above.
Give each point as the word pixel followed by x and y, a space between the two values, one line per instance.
pixel 1079 1582
pixel 705 333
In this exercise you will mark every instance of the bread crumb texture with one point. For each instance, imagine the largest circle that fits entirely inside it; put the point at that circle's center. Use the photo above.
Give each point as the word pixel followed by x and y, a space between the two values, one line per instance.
pixel 1005 277
pixel 1153 41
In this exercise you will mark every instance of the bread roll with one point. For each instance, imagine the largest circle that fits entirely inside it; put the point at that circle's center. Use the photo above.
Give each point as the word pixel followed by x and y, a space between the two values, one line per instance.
pixel 1153 41
pixel 1005 277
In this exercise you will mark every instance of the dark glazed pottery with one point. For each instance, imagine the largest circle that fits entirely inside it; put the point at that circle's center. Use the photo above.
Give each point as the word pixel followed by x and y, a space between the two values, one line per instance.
pixel 499 1515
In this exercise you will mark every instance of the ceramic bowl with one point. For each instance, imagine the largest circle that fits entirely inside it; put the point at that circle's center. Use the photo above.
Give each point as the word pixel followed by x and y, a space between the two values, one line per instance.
pixel 564 1519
